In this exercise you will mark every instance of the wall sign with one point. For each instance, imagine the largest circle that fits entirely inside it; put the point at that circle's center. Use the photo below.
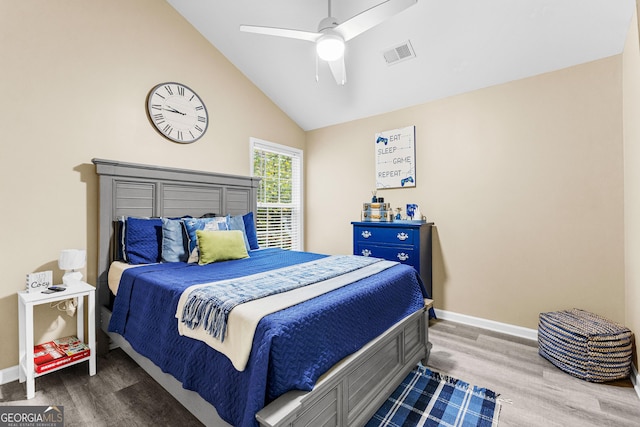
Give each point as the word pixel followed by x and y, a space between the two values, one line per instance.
pixel 396 158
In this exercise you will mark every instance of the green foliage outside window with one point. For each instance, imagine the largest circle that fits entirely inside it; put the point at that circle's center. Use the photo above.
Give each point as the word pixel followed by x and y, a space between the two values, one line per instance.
pixel 276 173
pixel 275 216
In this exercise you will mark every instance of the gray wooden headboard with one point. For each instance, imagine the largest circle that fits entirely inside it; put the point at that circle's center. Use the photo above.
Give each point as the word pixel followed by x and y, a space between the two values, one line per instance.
pixel 129 189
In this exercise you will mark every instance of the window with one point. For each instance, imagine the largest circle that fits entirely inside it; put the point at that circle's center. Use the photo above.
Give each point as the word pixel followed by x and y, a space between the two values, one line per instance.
pixel 279 214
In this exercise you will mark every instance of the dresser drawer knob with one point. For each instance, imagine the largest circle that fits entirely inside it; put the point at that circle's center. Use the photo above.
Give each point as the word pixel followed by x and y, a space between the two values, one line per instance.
pixel 366 252
pixel 402 256
pixel 402 236
pixel 366 234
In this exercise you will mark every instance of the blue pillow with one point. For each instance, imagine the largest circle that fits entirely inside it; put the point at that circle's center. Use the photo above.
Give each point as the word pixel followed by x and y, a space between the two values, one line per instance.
pixel 237 223
pixel 173 245
pixel 250 230
pixel 143 240
pixel 191 225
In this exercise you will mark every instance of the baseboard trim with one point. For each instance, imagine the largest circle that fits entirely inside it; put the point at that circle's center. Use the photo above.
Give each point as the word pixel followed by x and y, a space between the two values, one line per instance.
pixel 492 325
pixel 9 374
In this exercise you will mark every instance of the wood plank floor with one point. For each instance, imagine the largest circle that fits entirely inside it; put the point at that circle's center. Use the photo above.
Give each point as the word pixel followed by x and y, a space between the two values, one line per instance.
pixel 535 393
pixel 120 394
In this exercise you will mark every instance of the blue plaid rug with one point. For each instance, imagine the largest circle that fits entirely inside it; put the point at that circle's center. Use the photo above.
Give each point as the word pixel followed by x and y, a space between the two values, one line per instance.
pixel 426 398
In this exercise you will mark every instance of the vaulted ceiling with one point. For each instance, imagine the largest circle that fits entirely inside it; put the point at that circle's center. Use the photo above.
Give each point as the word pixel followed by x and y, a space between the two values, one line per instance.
pixel 459 45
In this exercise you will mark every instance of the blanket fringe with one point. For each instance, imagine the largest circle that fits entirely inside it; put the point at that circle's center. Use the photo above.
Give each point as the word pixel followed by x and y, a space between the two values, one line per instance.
pixel 208 313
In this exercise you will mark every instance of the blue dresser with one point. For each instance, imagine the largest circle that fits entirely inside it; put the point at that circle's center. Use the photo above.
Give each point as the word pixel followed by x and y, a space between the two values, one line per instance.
pixel 408 242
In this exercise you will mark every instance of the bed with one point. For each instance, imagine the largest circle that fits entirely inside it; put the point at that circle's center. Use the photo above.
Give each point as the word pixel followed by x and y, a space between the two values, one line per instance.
pixel 333 385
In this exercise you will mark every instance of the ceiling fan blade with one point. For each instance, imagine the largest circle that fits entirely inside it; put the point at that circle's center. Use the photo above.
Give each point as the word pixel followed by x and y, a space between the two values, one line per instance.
pixel 371 17
pixel 338 70
pixel 281 32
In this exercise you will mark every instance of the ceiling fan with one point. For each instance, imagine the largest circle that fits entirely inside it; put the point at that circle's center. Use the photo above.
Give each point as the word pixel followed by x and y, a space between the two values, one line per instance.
pixel 331 36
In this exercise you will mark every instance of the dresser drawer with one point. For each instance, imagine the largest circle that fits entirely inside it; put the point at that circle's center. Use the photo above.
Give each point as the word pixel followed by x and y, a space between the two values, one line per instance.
pixel 405 255
pixel 405 242
pixel 388 236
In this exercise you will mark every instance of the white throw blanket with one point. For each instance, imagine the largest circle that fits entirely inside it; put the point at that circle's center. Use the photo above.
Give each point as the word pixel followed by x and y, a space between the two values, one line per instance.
pixel 244 318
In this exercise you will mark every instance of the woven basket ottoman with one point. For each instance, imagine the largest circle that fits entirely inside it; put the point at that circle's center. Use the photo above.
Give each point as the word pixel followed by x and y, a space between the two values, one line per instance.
pixel 585 345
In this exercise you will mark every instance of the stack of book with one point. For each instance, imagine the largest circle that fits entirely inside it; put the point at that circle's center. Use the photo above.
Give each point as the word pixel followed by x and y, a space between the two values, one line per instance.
pixel 59 352
pixel 377 212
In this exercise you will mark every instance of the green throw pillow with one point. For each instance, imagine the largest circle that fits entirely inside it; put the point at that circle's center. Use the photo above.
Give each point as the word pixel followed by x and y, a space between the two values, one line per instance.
pixel 220 246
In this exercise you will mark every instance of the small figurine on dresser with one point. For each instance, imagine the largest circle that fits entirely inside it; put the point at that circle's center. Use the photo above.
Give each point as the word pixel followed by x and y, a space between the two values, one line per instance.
pixel 398 214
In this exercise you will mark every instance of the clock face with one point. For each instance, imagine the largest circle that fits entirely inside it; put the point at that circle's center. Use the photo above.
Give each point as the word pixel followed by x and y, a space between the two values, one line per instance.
pixel 177 112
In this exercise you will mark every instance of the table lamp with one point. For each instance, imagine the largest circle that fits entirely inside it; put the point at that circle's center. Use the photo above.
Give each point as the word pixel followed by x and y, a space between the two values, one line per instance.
pixel 71 260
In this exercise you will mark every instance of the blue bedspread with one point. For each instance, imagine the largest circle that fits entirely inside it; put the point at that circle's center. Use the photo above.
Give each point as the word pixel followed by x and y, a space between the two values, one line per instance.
pixel 291 348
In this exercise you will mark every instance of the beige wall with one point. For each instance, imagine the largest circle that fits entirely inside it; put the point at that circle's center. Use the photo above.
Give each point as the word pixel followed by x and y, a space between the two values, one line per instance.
pixel 631 113
pixel 524 182
pixel 75 75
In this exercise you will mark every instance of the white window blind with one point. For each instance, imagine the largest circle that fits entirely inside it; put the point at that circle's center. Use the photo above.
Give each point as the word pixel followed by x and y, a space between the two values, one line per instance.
pixel 279 213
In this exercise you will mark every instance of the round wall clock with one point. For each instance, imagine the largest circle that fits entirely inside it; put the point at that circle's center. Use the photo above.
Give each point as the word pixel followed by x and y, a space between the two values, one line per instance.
pixel 177 112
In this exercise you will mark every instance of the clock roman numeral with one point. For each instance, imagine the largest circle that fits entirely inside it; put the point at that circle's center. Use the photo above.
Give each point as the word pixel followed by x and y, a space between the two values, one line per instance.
pixel 167 129
pixel 198 128
pixel 179 135
pixel 199 107
pixel 158 118
pixel 181 90
pixel 168 88
pixel 202 119
pixel 156 106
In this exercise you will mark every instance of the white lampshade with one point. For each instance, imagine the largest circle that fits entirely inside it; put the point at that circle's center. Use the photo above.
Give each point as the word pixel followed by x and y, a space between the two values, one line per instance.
pixel 330 47
pixel 71 260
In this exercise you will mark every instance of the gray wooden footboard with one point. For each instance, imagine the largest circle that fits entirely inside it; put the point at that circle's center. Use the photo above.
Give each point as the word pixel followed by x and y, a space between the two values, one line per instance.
pixel 351 392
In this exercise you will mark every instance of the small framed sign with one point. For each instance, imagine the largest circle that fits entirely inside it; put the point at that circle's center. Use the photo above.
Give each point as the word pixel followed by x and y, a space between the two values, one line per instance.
pixel 396 158
pixel 39 281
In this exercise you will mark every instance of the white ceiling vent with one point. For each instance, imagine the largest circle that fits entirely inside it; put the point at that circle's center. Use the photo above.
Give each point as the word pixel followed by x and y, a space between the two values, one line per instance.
pixel 399 53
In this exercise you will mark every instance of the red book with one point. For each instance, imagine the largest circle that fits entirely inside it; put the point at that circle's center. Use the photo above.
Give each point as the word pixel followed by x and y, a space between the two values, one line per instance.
pixel 59 352
pixel 47 352
pixel 71 346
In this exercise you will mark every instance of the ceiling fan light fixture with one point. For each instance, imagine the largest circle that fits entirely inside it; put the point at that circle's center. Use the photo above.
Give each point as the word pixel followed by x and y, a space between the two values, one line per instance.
pixel 330 47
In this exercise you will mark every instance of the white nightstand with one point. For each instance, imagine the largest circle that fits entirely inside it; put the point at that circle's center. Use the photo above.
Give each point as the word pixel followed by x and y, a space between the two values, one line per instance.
pixel 26 301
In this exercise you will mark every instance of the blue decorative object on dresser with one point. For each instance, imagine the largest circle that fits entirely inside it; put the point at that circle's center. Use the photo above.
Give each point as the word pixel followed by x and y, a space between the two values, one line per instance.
pixel 408 242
